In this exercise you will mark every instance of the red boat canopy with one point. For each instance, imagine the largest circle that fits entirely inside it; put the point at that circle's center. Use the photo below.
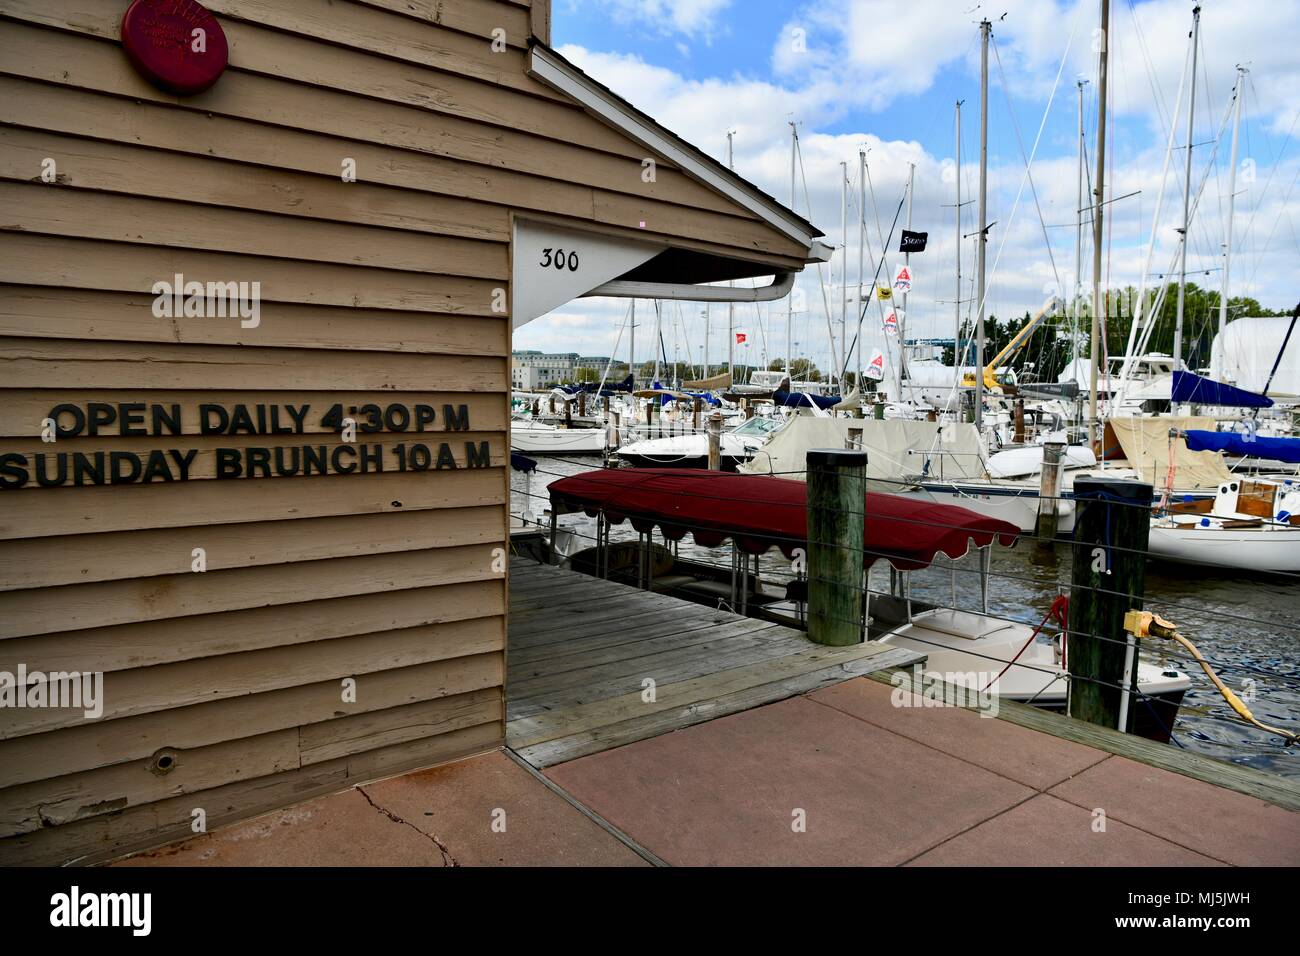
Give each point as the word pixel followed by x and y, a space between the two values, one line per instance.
pixel 759 512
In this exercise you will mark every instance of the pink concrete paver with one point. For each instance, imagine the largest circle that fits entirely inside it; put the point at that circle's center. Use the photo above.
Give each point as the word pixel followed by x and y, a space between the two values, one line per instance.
pixel 459 804
pixel 341 829
pixel 728 791
pixel 1026 756
pixel 437 817
pixel 1046 831
pixel 1226 825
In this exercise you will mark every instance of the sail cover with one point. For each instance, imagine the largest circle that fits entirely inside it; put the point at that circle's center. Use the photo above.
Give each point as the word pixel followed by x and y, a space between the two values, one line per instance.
pixel 1206 391
pixel 1235 443
pixel 759 513
pixel 805 400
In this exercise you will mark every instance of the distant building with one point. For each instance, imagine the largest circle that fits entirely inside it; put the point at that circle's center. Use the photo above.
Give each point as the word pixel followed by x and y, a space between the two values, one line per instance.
pixel 531 370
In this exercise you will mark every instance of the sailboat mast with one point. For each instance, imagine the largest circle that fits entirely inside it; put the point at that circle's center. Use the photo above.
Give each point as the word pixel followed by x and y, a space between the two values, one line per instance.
pixel 907 264
pixel 862 251
pixel 731 306
pixel 1094 347
pixel 844 265
pixel 789 310
pixel 1187 197
pixel 707 335
pixel 985 28
pixel 1076 296
pixel 956 299
pixel 1232 195
pixel 631 345
pixel 659 339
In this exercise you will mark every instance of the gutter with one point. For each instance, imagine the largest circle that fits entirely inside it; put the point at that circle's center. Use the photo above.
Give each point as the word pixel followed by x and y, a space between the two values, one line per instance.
pixel 781 285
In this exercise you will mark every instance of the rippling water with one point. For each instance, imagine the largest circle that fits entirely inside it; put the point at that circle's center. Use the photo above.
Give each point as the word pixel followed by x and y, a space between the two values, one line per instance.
pixel 1248 629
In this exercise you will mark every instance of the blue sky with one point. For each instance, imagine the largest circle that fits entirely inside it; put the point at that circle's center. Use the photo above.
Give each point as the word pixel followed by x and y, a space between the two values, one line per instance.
pixel 883 75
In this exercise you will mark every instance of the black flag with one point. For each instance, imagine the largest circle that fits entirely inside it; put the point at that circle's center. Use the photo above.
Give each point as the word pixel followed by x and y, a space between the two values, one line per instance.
pixel 913 241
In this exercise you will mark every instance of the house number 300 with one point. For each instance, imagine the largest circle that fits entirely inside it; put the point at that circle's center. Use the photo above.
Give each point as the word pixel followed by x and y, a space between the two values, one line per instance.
pixel 559 260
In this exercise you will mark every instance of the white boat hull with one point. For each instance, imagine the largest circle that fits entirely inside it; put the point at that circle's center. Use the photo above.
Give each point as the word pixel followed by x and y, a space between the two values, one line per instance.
pixel 545 440
pixel 1243 549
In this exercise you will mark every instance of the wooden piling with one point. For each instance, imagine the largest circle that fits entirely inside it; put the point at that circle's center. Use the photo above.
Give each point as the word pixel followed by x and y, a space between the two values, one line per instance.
pixel 1111 528
pixel 715 441
pixel 836 516
pixel 1019 436
pixel 695 414
pixel 1049 493
pixel 568 414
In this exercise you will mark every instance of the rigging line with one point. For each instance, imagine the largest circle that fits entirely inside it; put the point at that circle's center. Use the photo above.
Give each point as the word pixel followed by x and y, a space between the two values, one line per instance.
pixel 875 279
pixel 1272 170
pixel 826 305
pixel 1015 125
pixel 1193 207
pixel 1130 353
pixel 1152 78
pixel 1032 154
pixel 997 259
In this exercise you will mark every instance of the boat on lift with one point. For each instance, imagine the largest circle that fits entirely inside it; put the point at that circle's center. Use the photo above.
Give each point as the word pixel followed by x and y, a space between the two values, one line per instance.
pixel 976 650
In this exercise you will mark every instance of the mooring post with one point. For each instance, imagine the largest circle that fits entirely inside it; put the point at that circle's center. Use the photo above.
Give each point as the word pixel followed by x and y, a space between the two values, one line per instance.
pixel 1112 525
pixel 695 415
pixel 879 410
pixel 1019 436
pixel 1049 493
pixel 615 439
pixel 568 414
pixel 582 404
pixel 715 441
pixel 837 496
pixel 551 403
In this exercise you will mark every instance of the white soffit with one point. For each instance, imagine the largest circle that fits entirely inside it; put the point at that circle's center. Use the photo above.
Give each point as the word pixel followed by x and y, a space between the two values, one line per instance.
pixel 555 72
pixel 554 265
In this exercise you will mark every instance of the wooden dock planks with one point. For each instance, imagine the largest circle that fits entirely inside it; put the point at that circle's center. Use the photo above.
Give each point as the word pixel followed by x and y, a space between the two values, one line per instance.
pixel 580 648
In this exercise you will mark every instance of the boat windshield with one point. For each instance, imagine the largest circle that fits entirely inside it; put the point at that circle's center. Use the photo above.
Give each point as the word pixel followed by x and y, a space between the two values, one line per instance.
pixel 756 427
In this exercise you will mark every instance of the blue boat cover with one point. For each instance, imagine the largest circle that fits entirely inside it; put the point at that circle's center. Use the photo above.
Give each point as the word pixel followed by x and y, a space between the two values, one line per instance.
pixel 522 462
pixel 1235 443
pixel 1206 391
pixel 804 400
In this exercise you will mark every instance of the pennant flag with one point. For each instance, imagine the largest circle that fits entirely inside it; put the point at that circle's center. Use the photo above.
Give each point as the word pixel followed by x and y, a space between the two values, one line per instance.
pixel 891 322
pixel 903 280
pixel 913 241
pixel 742 338
pixel 884 293
pixel 875 369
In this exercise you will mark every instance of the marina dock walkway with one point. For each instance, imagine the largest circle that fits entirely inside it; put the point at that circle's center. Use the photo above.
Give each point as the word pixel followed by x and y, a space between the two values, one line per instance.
pixel 762 752
pixel 592 664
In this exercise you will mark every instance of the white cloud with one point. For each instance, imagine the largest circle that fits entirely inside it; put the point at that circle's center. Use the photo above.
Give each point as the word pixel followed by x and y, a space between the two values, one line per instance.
pixel 858 58
pixel 696 19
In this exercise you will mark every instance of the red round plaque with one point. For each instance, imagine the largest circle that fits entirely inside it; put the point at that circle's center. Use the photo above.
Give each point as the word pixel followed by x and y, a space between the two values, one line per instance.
pixel 176 44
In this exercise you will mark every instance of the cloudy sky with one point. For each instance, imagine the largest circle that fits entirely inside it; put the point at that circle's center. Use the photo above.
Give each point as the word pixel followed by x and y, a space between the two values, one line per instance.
pixel 883 76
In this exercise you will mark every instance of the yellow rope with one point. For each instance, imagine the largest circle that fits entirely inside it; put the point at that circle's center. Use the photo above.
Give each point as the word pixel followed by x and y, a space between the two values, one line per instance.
pixel 1146 624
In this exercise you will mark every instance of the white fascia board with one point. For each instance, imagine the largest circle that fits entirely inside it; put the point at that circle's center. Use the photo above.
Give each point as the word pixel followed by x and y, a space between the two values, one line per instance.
pixel 572 83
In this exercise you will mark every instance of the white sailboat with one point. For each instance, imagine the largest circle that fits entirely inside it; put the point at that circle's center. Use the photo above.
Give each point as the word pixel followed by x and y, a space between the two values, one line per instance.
pixel 1253 525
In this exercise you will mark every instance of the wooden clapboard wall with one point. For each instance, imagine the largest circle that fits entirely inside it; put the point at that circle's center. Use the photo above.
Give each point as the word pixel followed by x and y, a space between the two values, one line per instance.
pixel 378 290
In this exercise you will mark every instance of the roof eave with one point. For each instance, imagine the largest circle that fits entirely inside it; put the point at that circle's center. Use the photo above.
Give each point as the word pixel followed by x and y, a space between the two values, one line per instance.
pixel 549 67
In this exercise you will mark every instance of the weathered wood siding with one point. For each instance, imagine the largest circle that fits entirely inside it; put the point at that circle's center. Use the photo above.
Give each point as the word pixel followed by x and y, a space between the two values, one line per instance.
pixel 374 291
